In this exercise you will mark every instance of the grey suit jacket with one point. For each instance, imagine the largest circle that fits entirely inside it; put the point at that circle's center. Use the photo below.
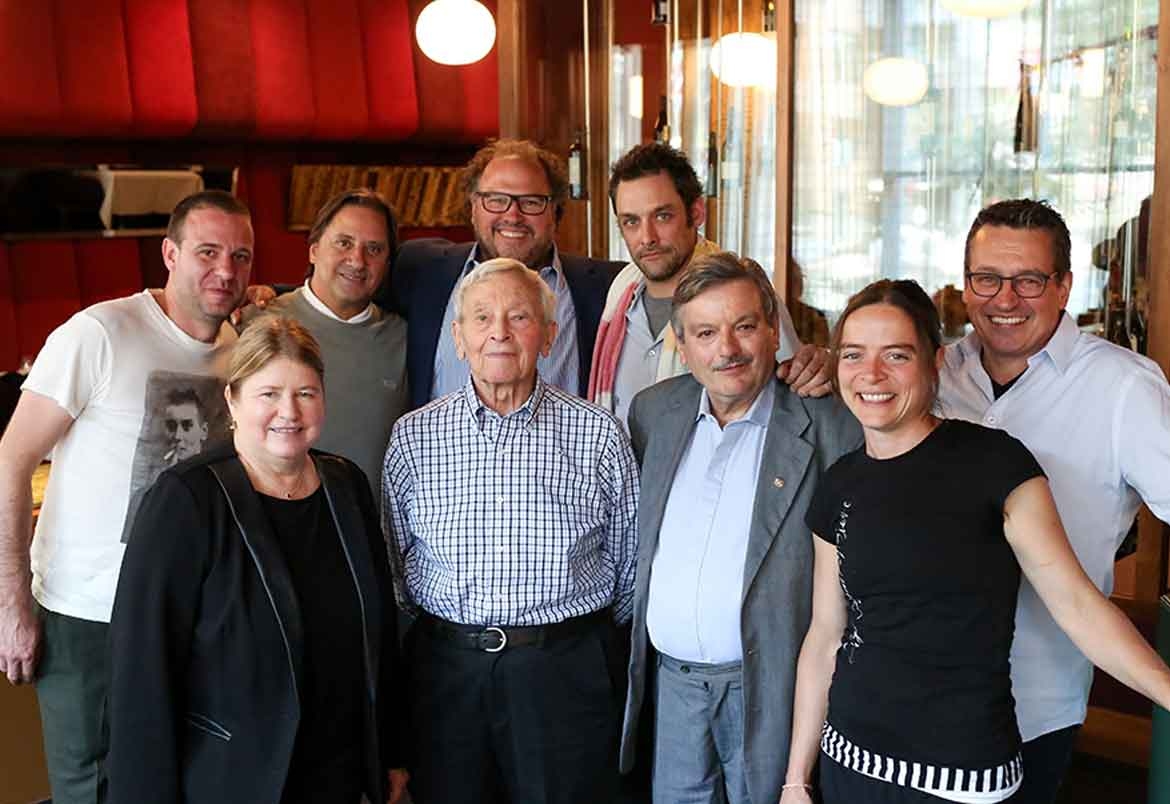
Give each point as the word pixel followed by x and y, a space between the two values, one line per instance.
pixel 805 437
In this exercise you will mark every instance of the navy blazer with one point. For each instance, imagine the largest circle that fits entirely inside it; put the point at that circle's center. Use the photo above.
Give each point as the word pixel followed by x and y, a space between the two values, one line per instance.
pixel 423 277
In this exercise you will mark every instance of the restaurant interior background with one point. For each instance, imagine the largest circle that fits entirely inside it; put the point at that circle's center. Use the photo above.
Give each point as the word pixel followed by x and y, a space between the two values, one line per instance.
pixel 839 141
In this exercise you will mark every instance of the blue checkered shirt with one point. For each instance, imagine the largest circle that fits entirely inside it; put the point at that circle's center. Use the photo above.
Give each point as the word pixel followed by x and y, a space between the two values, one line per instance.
pixel 523 519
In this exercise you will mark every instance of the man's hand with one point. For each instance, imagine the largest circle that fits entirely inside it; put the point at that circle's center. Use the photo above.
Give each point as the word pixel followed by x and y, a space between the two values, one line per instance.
pixel 807 371
pixel 398 777
pixel 256 296
pixel 20 640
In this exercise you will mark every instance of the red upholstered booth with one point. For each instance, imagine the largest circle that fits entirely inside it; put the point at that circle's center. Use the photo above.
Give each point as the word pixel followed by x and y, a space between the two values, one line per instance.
pixel 263 84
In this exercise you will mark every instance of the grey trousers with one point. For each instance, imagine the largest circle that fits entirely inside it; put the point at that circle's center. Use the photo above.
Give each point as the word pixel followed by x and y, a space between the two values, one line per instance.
pixel 698 734
pixel 72 683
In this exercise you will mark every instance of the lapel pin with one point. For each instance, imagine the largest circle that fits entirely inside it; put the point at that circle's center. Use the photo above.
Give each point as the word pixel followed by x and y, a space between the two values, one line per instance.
pixel 778 482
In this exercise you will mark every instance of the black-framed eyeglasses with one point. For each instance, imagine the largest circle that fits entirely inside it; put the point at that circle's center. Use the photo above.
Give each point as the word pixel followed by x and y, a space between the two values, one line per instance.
pixel 1026 285
pixel 498 203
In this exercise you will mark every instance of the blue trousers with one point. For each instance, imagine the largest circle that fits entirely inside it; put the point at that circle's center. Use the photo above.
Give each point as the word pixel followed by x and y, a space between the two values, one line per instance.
pixel 698 728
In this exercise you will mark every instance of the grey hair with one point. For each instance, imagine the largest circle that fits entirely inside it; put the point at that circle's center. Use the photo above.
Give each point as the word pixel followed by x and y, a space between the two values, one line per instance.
pixel 713 270
pixel 506 265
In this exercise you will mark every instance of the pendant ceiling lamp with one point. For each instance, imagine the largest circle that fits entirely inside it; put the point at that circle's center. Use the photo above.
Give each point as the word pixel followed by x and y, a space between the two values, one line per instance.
pixel 987 9
pixel 895 82
pixel 455 31
pixel 745 60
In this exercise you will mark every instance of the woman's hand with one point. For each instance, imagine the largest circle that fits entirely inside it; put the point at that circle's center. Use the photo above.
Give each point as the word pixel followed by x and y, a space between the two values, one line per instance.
pixel 796 794
pixel 398 777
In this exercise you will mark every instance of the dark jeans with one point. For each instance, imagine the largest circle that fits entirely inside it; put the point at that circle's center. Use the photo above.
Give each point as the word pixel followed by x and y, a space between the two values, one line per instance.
pixel 72 683
pixel 528 725
pixel 1046 761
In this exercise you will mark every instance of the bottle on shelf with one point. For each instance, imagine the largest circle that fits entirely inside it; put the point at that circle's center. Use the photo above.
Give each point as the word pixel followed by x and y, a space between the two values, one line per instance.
pixel 661 124
pixel 712 184
pixel 578 168
pixel 659 12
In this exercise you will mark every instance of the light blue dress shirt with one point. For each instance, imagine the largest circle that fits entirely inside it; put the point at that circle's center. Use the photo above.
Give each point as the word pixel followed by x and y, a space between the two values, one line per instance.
pixel 696 577
pixel 561 369
pixel 1097 418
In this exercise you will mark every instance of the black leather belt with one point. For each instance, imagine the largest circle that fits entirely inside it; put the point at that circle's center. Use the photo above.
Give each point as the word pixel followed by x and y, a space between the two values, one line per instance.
pixel 493 638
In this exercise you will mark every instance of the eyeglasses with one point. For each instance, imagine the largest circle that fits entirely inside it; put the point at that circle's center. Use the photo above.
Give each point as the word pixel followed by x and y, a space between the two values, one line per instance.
pixel 1026 286
pixel 499 203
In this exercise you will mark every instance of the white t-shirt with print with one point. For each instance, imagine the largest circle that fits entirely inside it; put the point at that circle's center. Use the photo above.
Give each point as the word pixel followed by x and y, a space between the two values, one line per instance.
pixel 143 395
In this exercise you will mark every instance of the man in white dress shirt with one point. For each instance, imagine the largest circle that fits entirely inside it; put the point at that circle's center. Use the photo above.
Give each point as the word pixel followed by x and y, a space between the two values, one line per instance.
pixel 1097 418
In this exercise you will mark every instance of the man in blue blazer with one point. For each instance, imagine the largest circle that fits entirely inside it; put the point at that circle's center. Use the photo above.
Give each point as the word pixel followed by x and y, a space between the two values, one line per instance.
pixel 515 193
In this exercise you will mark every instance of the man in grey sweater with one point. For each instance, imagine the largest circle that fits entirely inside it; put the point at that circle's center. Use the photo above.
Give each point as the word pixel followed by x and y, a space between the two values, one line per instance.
pixel 364 346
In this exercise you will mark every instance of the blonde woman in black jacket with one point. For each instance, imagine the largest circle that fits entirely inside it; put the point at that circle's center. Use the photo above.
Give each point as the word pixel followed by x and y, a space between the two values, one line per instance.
pixel 253 638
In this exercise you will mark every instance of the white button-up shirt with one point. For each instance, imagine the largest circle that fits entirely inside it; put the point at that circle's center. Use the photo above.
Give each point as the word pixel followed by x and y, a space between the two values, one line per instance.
pixel 1097 418
pixel 696 578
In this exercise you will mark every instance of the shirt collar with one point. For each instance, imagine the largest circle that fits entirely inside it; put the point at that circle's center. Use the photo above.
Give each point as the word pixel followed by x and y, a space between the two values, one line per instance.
pixel 322 308
pixel 759 414
pixel 478 409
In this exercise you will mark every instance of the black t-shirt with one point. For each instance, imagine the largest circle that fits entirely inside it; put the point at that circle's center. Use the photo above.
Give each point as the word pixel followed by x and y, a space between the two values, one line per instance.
pixel 327 764
pixel 930 587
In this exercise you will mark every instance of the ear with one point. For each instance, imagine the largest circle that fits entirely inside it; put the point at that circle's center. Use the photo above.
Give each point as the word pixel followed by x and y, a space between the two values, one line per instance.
pixel 227 398
pixel 1064 289
pixel 699 211
pixel 550 335
pixel 170 253
pixel 457 334
pixel 313 252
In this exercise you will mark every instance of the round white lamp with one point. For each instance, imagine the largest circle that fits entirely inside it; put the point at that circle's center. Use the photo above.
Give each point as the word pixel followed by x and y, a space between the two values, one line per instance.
pixel 455 31
pixel 744 60
pixel 895 82
pixel 987 9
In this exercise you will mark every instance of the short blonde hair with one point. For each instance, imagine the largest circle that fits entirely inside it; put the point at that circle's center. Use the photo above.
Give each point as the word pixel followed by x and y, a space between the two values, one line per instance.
pixel 268 338
pixel 506 265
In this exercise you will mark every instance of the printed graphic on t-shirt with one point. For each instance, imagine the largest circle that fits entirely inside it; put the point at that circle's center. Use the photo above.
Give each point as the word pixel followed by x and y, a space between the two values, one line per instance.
pixel 183 414
pixel 852 640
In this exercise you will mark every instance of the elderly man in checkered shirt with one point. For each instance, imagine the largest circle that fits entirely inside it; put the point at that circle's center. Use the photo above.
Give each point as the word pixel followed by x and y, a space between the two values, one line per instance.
pixel 511 510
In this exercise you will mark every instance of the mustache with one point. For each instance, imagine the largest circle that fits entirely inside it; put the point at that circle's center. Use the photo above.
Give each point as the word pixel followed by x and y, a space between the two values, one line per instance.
pixel 735 361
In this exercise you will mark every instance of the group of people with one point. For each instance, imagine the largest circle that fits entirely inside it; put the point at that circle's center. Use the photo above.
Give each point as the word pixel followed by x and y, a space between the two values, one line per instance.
pixel 623 522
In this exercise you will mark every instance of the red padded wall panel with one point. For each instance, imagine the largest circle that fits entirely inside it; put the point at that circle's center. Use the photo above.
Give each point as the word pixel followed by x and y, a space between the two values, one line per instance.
pixel 107 269
pixel 162 78
pixel 392 99
pixel 44 284
pixel 281 255
pixel 30 94
pixel 225 80
pixel 339 71
pixel 9 345
pixel 92 65
pixel 284 82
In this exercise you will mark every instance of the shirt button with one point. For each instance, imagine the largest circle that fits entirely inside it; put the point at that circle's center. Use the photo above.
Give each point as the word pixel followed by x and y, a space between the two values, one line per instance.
pixel 991 420
pixel 652 353
pixel 500 499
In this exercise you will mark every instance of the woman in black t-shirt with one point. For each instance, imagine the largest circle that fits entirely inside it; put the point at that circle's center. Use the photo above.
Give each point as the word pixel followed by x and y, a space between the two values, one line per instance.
pixel 903 680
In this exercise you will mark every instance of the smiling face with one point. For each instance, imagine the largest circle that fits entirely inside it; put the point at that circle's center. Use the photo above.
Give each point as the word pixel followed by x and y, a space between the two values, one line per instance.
pixel 658 231
pixel 886 376
pixel 527 238
pixel 209 270
pixel 729 345
pixel 350 260
pixel 1012 329
pixel 278 412
pixel 501 332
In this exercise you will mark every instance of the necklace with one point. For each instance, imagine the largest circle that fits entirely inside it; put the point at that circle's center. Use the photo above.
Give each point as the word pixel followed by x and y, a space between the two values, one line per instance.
pixel 267 484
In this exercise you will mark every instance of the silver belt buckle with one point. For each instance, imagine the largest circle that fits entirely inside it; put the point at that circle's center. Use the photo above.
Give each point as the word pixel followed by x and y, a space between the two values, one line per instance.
pixel 503 639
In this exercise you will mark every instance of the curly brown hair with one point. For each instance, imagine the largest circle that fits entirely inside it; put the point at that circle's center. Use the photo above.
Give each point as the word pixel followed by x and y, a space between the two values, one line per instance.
pixel 553 166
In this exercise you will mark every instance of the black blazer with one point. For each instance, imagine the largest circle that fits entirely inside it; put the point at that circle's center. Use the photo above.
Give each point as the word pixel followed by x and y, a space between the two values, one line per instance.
pixel 206 647
pixel 424 276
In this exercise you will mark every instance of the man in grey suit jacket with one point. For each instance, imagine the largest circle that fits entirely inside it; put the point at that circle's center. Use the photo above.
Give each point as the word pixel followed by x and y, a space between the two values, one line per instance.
pixel 730 459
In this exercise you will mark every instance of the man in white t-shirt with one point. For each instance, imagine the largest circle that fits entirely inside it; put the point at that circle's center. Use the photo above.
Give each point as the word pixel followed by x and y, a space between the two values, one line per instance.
pixel 1097 418
pixel 100 397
